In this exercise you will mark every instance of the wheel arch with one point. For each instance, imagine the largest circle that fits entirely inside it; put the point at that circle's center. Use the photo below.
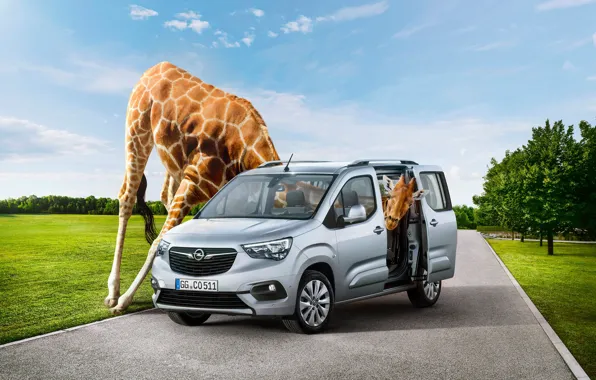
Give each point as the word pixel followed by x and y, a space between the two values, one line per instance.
pixel 325 269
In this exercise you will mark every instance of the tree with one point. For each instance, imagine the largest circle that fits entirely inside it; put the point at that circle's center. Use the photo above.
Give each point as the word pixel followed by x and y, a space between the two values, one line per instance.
pixel 513 193
pixel 465 217
pixel 551 159
pixel 586 210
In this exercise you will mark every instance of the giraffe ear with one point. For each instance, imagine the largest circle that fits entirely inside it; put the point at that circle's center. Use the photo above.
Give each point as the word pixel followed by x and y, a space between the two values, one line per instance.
pixel 387 184
pixel 419 194
pixel 401 182
pixel 411 184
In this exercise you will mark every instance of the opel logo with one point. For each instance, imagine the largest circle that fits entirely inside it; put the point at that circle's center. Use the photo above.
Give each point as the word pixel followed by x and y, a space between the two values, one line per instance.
pixel 198 254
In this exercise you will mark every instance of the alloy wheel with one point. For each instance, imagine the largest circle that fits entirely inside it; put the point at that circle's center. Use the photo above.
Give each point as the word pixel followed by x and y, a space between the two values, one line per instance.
pixel 431 289
pixel 314 303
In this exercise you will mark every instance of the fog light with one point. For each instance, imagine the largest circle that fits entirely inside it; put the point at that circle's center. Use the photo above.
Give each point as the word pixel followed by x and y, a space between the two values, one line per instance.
pixel 268 291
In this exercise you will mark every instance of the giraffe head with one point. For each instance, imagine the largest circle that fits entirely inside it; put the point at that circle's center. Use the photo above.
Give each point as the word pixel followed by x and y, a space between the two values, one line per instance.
pixel 398 202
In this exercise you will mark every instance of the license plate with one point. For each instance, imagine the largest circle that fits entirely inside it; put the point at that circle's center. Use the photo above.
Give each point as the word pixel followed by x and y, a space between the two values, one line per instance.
pixel 198 285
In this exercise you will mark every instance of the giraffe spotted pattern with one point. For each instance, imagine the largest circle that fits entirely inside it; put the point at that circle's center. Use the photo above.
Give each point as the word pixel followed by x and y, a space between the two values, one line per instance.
pixel 204 137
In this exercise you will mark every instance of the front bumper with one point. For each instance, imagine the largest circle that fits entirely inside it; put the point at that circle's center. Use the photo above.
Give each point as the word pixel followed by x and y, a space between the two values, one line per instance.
pixel 242 290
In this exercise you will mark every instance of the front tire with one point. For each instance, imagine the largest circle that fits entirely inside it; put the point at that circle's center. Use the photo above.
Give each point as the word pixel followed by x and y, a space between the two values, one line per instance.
pixel 314 304
pixel 425 293
pixel 188 319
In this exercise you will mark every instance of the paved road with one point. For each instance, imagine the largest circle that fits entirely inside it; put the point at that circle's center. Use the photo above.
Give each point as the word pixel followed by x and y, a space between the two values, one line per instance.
pixel 479 329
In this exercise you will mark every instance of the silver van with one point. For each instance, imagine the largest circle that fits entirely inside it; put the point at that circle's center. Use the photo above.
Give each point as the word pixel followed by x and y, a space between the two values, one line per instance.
pixel 262 246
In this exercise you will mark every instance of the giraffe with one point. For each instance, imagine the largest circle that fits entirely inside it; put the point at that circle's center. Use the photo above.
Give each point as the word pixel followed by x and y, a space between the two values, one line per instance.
pixel 398 201
pixel 204 137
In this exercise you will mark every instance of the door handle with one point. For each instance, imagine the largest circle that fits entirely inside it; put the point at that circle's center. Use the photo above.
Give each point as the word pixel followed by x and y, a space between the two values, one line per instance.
pixel 433 222
pixel 378 230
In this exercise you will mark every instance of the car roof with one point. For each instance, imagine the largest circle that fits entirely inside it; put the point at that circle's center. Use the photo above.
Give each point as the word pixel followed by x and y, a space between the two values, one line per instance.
pixel 325 167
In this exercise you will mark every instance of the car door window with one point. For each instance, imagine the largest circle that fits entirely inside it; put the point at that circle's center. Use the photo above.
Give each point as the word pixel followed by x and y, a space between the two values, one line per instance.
pixel 436 196
pixel 358 190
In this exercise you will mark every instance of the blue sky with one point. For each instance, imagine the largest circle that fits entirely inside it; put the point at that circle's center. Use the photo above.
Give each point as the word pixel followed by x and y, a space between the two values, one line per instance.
pixel 448 82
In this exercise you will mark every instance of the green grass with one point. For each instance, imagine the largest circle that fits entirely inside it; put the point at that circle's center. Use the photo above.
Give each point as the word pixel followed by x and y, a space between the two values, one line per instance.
pixel 563 288
pixel 54 270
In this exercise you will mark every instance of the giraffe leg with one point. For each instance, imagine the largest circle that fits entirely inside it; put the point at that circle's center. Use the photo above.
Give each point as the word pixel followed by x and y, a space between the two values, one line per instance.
pixel 164 191
pixel 127 197
pixel 187 196
pixel 172 188
pixel 138 149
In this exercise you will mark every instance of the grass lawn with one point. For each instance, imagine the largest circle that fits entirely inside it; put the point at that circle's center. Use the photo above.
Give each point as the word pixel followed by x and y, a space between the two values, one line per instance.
pixel 563 288
pixel 54 270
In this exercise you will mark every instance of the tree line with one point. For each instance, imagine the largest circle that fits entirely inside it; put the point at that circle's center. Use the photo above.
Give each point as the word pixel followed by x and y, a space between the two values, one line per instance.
pixel 545 187
pixel 55 204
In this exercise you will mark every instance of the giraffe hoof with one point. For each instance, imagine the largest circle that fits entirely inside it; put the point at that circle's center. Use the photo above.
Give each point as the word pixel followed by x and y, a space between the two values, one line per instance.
pixel 110 301
pixel 116 310
pixel 122 305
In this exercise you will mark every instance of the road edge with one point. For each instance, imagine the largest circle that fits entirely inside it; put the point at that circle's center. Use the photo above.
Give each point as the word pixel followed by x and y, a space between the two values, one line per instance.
pixel 569 359
pixel 73 328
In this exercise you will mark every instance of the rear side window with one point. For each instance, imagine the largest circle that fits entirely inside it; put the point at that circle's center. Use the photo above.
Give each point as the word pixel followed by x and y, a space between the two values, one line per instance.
pixel 435 185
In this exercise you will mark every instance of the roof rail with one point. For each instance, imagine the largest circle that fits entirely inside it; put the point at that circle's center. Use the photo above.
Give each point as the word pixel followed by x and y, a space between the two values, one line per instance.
pixel 280 162
pixel 382 161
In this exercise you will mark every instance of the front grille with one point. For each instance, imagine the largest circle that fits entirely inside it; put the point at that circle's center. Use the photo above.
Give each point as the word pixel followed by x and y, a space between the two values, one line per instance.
pixel 209 300
pixel 218 264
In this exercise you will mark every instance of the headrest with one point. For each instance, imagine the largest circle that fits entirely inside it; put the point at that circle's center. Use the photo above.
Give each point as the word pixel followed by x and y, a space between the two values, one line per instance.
pixel 295 198
pixel 350 198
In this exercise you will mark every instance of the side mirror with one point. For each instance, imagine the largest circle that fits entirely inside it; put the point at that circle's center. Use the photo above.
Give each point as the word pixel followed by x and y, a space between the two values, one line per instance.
pixel 356 214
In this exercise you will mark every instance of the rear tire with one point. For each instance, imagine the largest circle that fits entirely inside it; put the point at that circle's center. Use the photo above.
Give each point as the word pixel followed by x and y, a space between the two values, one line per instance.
pixel 314 304
pixel 188 319
pixel 425 293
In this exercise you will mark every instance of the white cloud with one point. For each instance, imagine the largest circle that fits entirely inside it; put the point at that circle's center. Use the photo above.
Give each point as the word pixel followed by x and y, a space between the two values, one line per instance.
pixel 138 12
pixel 568 66
pixel 492 46
pixel 190 15
pixel 594 39
pixel 190 20
pixel 462 151
pixel 352 13
pixel 198 25
pixel 223 39
pixel 407 32
pixel 257 12
pixel 302 24
pixel 559 4
pixel 593 77
pixel 24 141
pixel 271 34
pixel 248 38
pixel 176 24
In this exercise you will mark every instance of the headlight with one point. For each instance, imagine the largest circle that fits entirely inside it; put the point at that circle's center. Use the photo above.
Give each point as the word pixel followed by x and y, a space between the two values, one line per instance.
pixel 274 250
pixel 162 247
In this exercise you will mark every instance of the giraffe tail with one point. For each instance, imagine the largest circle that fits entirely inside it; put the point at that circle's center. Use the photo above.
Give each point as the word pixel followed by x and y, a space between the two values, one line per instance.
pixel 145 211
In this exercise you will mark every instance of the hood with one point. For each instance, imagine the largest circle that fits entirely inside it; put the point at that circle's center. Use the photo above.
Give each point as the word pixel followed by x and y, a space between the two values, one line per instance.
pixel 237 230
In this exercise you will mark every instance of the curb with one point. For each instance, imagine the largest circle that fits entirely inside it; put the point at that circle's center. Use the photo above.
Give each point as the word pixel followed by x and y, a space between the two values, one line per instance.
pixel 573 365
pixel 72 328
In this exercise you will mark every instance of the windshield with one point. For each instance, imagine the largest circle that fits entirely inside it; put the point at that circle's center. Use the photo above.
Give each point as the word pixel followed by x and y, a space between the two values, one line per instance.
pixel 283 196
